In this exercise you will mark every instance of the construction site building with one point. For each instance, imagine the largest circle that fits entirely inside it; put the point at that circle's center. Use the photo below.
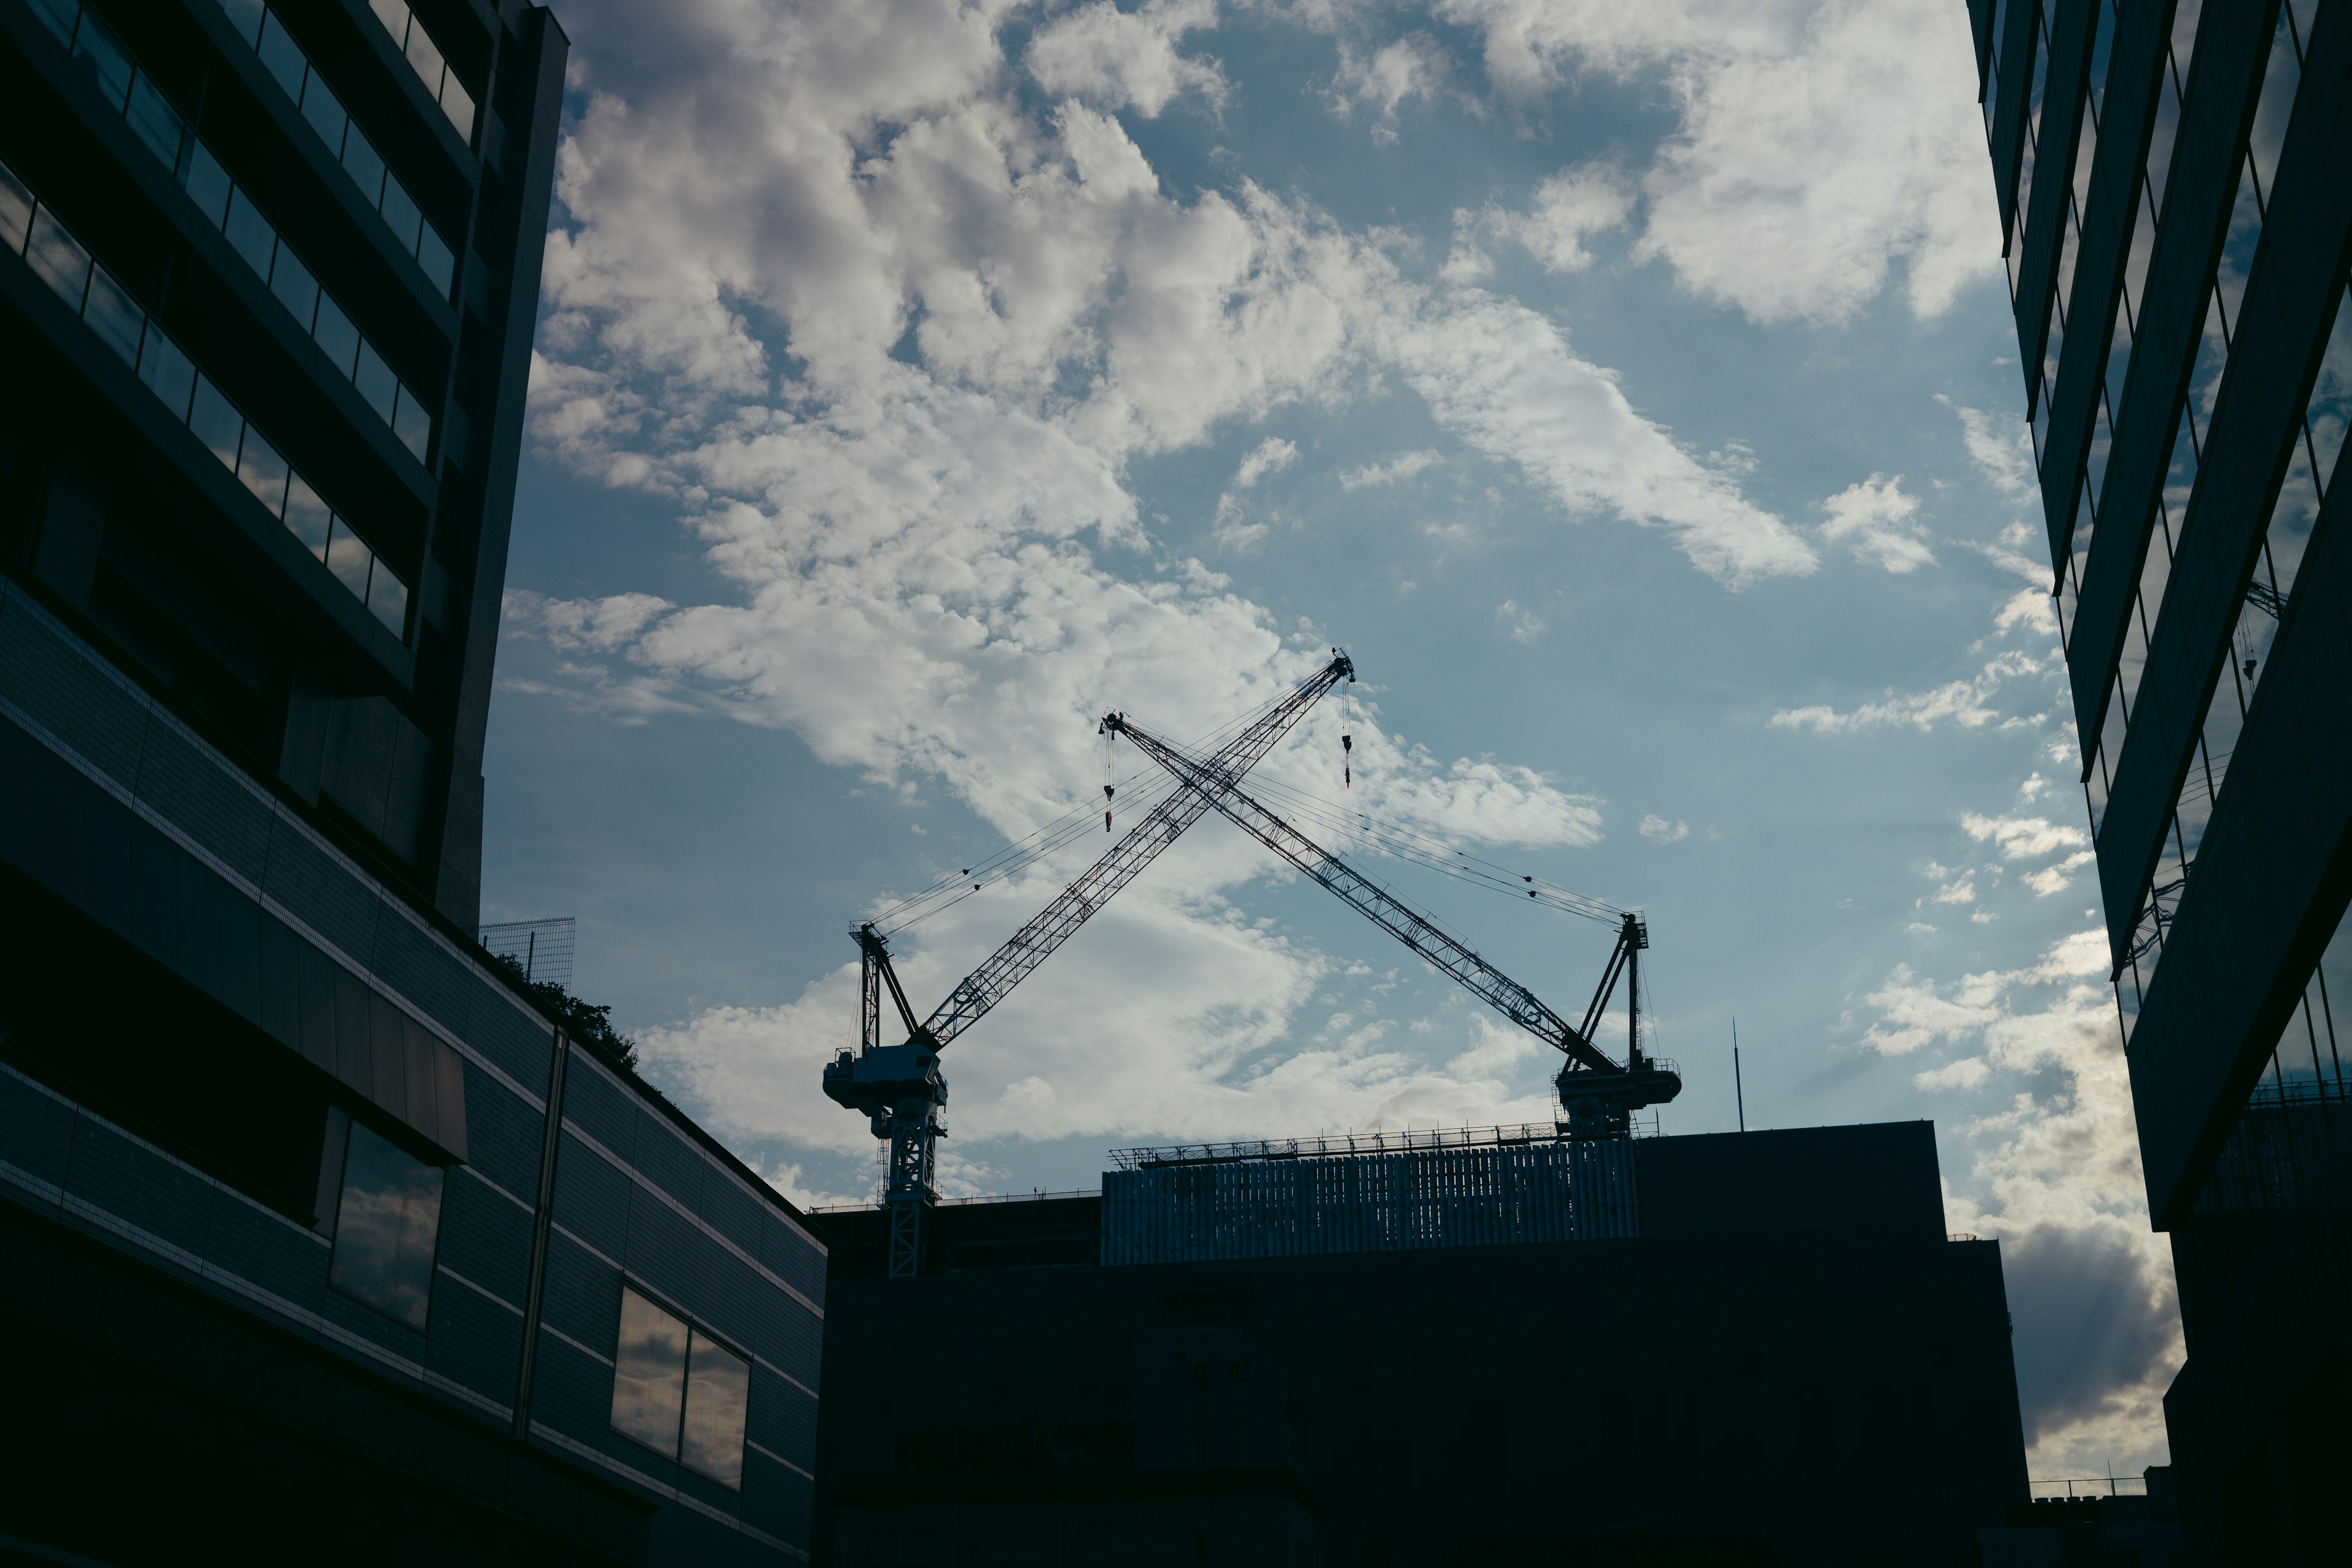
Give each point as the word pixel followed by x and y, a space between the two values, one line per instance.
pixel 1397 1351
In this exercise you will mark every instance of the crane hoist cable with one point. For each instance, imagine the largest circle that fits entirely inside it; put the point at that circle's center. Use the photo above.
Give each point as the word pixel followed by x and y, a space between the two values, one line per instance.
pixel 899 1088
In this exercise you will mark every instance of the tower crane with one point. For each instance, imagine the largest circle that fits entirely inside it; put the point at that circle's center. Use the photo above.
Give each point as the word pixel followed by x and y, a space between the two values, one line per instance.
pixel 1598 1094
pixel 899 1088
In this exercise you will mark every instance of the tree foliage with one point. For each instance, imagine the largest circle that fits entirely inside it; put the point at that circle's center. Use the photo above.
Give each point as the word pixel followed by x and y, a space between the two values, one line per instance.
pixel 584 1022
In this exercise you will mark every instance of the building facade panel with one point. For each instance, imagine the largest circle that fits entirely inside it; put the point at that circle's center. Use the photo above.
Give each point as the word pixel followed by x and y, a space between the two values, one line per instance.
pixel 257 1078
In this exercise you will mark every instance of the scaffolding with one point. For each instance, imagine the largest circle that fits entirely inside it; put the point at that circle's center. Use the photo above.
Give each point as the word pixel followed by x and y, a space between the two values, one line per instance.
pixel 1369 1192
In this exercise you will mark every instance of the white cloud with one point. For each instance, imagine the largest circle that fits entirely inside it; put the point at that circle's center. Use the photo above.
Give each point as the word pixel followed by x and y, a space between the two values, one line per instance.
pixel 1817 142
pixel 1503 378
pixel 1871 518
pixel 2089 1286
pixel 1966 703
pixel 1569 206
pixel 2023 837
pixel 2002 449
pixel 1658 830
pixel 1402 466
pixel 1271 455
pixel 1116 59
pixel 1386 76
pixel 2055 879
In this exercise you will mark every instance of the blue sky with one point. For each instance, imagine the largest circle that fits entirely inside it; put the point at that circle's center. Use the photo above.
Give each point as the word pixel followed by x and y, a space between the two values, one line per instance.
pixel 1628 389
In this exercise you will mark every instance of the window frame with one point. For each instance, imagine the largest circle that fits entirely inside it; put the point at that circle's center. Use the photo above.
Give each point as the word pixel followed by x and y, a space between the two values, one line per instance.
pixel 697 1336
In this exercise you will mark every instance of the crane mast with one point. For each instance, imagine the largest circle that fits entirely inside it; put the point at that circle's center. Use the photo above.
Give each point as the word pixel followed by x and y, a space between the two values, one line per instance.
pixel 899 1088
pixel 1598 1094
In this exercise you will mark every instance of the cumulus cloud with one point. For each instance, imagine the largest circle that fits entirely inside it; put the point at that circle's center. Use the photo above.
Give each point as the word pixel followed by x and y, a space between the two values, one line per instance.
pixel 1659 830
pixel 1871 518
pixel 1116 59
pixel 1271 455
pixel 2089 1286
pixel 1966 703
pixel 1502 378
pixel 1402 466
pixel 2001 447
pixel 1817 144
pixel 2023 837
pixel 1568 207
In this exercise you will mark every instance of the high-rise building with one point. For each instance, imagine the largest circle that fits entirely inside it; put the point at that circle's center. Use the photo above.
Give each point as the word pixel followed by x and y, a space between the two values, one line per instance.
pixel 319 1239
pixel 2175 181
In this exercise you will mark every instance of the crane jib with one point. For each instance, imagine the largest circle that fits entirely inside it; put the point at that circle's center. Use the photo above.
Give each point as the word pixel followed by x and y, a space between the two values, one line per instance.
pixel 1222 789
pixel 1034 942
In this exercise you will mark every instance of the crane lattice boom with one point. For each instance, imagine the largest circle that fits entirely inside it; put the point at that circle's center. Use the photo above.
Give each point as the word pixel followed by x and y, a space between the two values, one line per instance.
pixel 1598 1093
pixel 899 1088
pixel 1034 942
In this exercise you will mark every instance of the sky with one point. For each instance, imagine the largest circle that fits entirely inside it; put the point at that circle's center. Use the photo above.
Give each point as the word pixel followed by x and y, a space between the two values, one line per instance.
pixel 1629 390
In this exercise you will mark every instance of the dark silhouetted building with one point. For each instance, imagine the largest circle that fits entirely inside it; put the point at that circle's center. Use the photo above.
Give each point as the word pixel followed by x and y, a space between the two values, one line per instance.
pixel 2175 182
pixel 298 1262
pixel 1741 1348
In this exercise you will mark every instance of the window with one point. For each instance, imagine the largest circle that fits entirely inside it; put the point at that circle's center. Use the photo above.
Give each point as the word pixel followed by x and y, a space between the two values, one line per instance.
pixel 31 230
pixel 385 1228
pixel 679 1392
pixel 345 143
pixel 230 208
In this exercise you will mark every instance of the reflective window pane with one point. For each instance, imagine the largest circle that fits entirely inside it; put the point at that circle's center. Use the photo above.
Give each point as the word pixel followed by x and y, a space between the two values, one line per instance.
pixel 324 112
pixel 434 257
pixel 216 422
pixel 347 557
pixel 250 233
pixel 307 516
pixel 393 15
pixel 15 211
pixel 57 15
pixel 156 123
pixel 649 1375
pixel 364 166
pixel 425 58
pixel 295 288
pixel 58 258
pixel 114 316
pixel 261 470
pixel 282 55
pixel 167 373
pixel 104 59
pixel 458 105
pixel 718 1396
pixel 412 424
pixel 387 600
pixel 375 381
pixel 2281 77
pixel 206 183
pixel 245 15
pixel 2331 396
pixel 400 212
pixel 385 1228
pixel 336 335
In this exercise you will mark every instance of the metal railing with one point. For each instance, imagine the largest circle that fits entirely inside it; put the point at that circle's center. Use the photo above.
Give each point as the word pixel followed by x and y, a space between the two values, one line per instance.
pixel 2089 1487
pixel 959 1203
pixel 1343 1143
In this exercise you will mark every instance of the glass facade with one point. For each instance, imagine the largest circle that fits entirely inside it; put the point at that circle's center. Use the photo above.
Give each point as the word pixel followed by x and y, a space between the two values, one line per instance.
pixel 2188 471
